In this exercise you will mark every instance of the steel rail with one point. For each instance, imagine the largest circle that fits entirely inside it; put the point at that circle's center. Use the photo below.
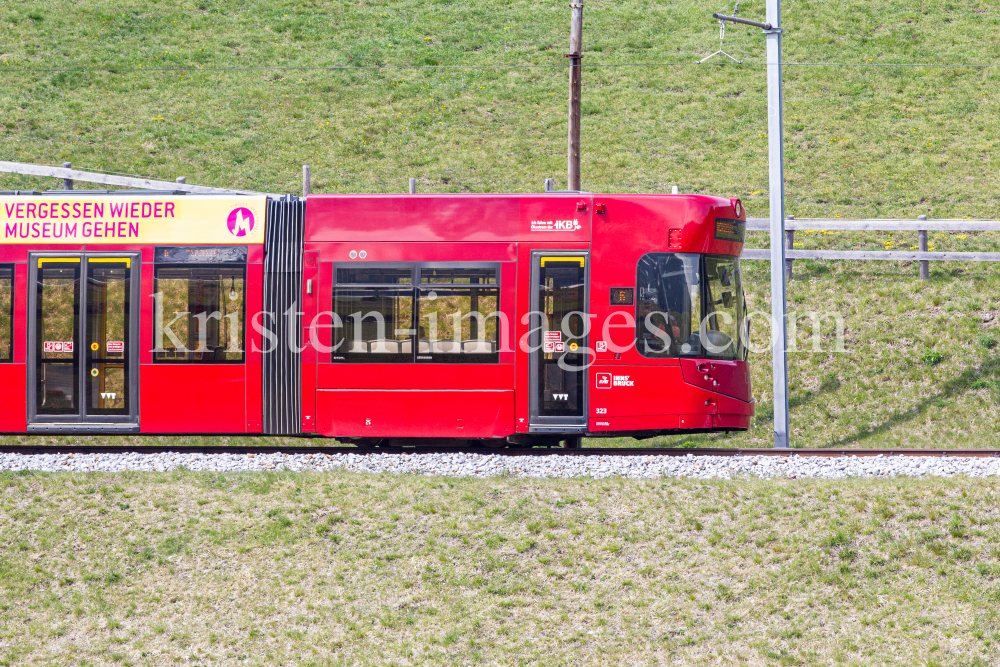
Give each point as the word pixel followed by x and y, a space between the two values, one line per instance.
pixel 502 451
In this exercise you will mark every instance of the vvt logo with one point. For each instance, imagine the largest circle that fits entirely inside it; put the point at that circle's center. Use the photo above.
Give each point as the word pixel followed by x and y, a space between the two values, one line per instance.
pixel 108 395
pixel 560 397
pixel 240 221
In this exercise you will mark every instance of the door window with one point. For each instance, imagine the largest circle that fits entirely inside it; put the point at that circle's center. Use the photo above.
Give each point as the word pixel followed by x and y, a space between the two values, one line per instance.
pixel 562 358
pixel 57 293
pixel 107 344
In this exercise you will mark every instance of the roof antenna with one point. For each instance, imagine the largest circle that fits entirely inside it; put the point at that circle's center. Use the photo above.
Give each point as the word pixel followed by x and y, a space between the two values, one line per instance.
pixel 722 37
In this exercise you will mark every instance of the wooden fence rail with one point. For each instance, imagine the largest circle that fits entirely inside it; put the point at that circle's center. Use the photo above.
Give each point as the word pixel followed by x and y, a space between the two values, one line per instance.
pixel 921 226
pixel 69 175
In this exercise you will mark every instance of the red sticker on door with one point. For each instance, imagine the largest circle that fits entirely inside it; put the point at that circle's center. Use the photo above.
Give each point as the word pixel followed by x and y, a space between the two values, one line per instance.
pixel 553 336
pixel 116 346
pixel 57 346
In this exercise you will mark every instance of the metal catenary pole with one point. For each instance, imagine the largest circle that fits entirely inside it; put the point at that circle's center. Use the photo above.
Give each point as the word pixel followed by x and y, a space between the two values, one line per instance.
pixel 776 184
pixel 575 86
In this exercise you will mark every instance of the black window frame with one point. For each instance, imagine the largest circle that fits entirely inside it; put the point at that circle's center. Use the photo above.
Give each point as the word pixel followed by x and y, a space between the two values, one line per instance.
pixel 13 295
pixel 415 356
pixel 243 329
pixel 739 348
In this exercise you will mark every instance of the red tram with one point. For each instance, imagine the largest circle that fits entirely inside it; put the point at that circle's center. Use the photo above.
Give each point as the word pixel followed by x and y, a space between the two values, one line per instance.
pixel 523 319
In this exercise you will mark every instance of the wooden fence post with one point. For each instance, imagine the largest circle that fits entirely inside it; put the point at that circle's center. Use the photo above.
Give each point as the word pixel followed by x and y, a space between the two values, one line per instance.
pixel 789 244
pixel 67 182
pixel 925 271
pixel 413 186
pixel 306 180
pixel 550 185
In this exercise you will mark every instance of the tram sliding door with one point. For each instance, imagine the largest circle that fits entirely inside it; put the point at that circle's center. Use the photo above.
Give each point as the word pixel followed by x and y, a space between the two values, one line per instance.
pixel 559 356
pixel 82 342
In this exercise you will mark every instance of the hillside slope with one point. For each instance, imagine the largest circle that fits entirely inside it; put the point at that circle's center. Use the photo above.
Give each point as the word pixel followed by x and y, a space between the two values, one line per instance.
pixel 880 141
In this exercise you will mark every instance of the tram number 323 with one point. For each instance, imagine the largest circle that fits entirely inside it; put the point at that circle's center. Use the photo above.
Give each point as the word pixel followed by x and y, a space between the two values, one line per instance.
pixel 600 411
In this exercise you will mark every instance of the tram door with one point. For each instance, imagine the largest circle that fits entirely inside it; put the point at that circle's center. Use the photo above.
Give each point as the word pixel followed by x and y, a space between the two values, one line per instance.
pixel 559 354
pixel 82 341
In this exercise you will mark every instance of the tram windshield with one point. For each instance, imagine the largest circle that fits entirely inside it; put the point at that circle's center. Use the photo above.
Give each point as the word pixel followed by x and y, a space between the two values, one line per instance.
pixel 689 305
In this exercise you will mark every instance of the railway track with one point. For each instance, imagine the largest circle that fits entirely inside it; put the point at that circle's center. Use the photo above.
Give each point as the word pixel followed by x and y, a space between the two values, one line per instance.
pixel 513 451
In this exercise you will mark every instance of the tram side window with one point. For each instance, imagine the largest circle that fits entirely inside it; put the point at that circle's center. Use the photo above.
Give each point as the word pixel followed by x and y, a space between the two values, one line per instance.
pixel 668 304
pixel 199 314
pixel 402 315
pixel 374 310
pixel 689 305
pixel 459 311
pixel 6 312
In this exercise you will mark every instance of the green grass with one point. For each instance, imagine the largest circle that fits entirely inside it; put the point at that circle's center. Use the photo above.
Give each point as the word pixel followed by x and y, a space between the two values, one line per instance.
pixel 329 569
pixel 920 365
pixel 861 140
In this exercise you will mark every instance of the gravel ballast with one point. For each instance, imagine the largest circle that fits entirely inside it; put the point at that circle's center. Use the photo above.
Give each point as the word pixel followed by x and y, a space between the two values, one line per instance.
pixel 559 466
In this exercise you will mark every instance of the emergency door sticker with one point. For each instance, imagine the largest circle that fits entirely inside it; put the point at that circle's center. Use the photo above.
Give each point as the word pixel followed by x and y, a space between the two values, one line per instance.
pixel 604 380
pixel 116 345
pixel 548 347
pixel 57 346
pixel 554 336
pixel 602 346
pixel 560 347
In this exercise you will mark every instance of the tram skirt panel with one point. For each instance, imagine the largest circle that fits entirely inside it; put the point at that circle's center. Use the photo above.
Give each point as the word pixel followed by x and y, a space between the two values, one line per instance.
pixel 282 362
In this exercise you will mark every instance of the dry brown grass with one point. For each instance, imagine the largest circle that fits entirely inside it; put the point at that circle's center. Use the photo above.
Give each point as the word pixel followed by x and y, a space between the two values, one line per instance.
pixel 317 569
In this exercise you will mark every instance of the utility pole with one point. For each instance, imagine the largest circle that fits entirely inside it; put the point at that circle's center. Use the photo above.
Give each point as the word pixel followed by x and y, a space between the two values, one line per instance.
pixel 575 92
pixel 776 185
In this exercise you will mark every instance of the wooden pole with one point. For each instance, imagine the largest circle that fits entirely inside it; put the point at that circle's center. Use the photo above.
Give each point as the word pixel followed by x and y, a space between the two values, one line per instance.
pixel 789 245
pixel 67 182
pixel 925 269
pixel 306 180
pixel 575 93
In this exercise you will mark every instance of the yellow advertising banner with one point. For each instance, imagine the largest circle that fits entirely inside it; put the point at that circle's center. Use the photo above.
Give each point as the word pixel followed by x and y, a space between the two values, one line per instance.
pixel 133 219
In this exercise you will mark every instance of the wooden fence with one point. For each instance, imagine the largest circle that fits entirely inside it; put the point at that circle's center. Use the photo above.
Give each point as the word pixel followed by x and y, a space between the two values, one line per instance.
pixel 920 225
pixel 69 175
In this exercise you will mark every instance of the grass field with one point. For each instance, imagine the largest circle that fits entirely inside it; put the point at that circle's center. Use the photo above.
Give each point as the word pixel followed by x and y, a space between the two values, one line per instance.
pixel 336 569
pixel 920 365
pixel 861 140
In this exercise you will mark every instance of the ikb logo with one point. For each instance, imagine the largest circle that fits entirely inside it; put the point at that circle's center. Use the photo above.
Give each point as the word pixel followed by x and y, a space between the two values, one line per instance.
pixel 555 225
pixel 604 380
pixel 240 221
